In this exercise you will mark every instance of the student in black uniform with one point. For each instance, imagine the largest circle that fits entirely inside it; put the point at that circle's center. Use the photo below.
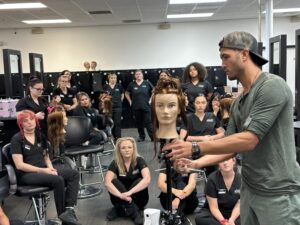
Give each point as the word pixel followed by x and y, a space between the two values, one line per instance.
pixel 202 126
pixel 85 109
pixel 127 181
pixel 68 98
pixel 35 102
pixel 116 91
pixel 138 94
pixel 223 197
pixel 31 158
pixel 194 84
pixel 184 193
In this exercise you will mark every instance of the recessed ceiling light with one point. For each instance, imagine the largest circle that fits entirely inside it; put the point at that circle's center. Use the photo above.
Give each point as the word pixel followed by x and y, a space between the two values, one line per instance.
pixel 28 5
pixel 194 1
pixel 191 15
pixel 46 21
pixel 287 10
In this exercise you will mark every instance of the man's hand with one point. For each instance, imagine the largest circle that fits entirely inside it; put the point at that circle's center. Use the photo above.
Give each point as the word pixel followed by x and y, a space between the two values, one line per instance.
pixel 179 149
pixel 184 165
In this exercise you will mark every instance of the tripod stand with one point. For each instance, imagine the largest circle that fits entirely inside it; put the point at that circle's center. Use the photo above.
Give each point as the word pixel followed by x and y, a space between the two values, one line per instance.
pixel 168 217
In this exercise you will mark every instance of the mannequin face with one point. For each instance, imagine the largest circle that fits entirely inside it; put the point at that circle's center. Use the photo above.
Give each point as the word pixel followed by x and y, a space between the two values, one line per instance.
pixel 163 75
pixel 166 108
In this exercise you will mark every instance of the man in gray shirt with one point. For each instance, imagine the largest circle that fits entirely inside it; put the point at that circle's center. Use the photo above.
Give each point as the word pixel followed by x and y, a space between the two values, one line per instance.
pixel 261 128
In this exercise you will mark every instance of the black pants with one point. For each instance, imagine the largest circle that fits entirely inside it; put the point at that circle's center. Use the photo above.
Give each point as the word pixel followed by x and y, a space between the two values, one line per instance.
pixel 116 117
pixel 96 138
pixel 142 119
pixel 140 198
pixel 206 218
pixel 67 177
pixel 186 205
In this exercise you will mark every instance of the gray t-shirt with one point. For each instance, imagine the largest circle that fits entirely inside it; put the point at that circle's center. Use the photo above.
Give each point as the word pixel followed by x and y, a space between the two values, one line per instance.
pixel 267 110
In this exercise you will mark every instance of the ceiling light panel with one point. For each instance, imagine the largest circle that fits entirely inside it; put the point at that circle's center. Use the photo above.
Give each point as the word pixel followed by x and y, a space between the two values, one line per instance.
pixel 28 5
pixel 190 15
pixel 47 21
pixel 194 1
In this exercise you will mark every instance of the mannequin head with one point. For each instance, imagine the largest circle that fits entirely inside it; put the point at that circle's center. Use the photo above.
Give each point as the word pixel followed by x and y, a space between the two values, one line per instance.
pixel 93 65
pixel 87 65
pixel 168 104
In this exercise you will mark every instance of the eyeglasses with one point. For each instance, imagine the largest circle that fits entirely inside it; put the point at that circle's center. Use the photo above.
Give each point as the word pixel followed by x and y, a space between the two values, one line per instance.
pixel 39 89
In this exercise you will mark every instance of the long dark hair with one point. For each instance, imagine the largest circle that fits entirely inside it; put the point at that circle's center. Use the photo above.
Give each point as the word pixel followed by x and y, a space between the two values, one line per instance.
pixel 167 86
pixel 55 128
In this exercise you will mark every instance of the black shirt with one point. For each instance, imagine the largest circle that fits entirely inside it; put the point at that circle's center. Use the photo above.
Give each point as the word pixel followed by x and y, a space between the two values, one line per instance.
pixel 67 98
pixel 140 94
pixel 116 94
pixel 207 126
pixel 33 154
pixel 131 175
pixel 192 91
pixel 87 112
pixel 216 188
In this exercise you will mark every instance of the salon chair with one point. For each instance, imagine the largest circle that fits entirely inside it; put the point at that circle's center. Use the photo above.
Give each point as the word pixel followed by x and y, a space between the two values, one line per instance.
pixel 106 124
pixel 38 194
pixel 77 133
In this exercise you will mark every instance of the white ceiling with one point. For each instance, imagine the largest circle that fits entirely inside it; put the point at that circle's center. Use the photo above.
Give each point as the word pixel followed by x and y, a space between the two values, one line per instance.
pixel 134 11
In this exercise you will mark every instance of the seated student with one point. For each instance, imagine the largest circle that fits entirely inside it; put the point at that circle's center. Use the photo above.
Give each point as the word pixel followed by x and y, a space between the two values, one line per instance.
pixel 184 194
pixel 31 157
pixel 127 181
pixel 223 197
pixel 85 109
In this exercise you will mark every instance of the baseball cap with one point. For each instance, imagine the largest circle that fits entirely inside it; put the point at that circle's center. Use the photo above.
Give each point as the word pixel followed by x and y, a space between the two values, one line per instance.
pixel 243 40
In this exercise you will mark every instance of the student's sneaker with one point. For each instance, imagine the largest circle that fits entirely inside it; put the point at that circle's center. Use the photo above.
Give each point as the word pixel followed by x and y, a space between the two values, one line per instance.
pixel 69 217
pixel 113 214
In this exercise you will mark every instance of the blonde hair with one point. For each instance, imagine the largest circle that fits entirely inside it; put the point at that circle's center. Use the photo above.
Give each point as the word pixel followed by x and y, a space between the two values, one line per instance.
pixel 118 157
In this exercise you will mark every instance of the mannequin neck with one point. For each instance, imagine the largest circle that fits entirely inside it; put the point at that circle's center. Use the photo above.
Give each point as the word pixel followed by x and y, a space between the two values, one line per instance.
pixel 167 131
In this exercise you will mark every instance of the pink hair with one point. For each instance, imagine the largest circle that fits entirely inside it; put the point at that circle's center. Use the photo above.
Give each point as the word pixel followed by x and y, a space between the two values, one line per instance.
pixel 23 115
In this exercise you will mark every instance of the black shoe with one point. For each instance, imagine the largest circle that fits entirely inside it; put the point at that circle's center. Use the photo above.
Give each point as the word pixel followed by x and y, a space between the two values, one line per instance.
pixel 140 139
pixel 185 220
pixel 69 217
pixel 138 218
pixel 113 214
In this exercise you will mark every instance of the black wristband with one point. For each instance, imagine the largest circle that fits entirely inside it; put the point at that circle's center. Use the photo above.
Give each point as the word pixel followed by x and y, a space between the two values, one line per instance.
pixel 196 152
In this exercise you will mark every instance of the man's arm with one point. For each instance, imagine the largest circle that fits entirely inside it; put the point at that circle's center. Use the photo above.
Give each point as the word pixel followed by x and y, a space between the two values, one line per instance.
pixel 240 142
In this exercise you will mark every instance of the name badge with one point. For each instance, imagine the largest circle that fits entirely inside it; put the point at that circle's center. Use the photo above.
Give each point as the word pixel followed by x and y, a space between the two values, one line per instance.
pixel 237 191
pixel 61 95
pixel 39 145
pixel 210 120
pixel 135 88
pixel 221 191
pixel 135 172
pixel 70 96
pixel 201 85
pixel 117 90
pixel 27 147
pixel 144 86
pixel 88 114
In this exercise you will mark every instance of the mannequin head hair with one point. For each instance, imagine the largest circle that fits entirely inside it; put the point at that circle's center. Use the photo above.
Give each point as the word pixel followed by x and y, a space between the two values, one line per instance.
pixel 168 86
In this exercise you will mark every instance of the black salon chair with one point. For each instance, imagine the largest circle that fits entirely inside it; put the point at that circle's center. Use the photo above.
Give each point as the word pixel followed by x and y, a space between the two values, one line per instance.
pixel 77 134
pixel 106 124
pixel 37 194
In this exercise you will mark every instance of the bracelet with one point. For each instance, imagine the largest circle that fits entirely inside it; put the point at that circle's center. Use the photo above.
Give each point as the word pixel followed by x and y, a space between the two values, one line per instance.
pixel 224 221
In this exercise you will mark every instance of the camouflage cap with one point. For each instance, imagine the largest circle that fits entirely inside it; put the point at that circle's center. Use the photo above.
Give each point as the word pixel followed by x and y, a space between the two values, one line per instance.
pixel 242 40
